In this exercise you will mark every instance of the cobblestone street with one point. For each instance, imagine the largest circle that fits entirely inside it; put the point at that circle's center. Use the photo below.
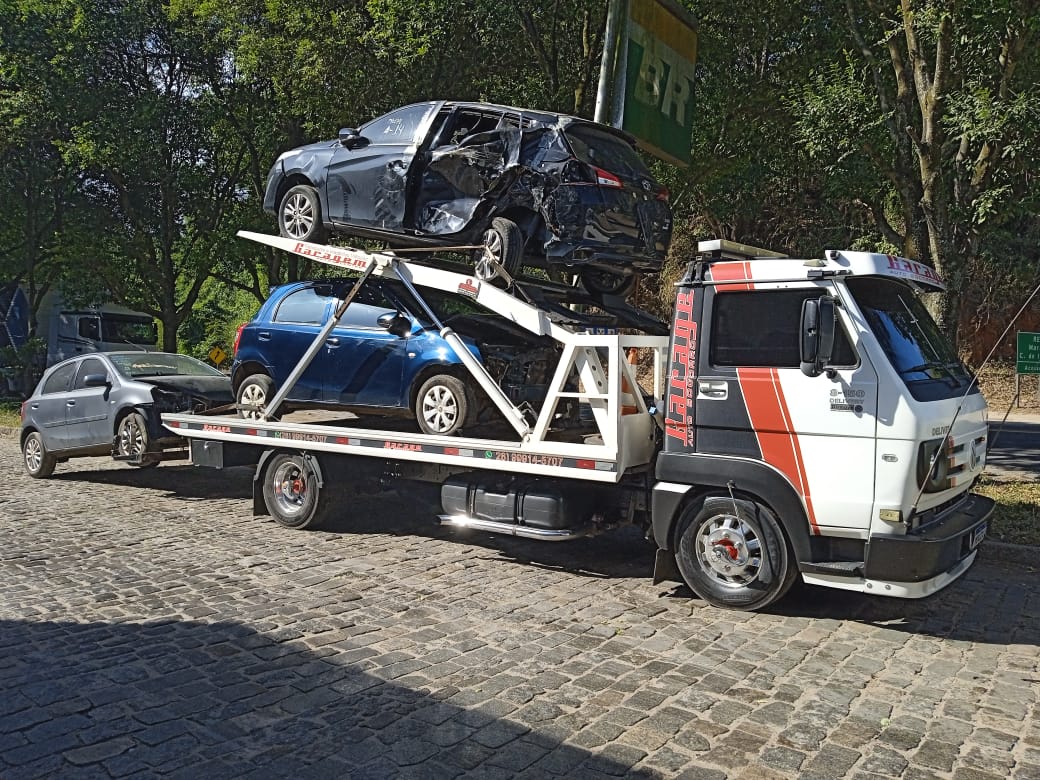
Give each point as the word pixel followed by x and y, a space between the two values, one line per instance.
pixel 149 624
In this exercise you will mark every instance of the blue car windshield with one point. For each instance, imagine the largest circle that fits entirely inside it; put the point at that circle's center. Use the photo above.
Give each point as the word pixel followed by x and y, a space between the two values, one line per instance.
pixel 444 304
pixel 134 365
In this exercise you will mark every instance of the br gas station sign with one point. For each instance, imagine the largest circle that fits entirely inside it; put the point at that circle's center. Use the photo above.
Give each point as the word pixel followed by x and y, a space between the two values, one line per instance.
pixel 662 51
pixel 646 76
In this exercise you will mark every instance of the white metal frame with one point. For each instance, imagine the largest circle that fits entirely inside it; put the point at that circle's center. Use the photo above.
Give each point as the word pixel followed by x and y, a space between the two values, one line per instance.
pixel 622 440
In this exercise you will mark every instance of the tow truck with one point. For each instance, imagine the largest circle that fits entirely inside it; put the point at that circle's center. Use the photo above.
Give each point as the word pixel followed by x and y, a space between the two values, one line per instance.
pixel 806 420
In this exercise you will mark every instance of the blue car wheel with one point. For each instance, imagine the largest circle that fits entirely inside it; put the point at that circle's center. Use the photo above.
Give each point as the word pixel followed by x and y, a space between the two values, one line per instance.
pixel 443 405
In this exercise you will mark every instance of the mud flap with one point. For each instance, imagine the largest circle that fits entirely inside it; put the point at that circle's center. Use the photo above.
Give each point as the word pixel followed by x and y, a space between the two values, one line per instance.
pixel 665 568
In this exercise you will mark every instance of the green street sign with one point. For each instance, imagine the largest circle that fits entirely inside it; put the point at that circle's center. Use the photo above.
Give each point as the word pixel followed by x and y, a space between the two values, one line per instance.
pixel 662 50
pixel 1028 361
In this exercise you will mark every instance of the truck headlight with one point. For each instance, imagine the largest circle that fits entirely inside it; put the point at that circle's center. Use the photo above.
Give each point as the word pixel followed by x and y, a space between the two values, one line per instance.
pixel 933 478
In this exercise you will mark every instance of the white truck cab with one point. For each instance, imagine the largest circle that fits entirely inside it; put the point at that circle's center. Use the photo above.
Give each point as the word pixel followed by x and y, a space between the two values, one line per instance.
pixel 819 399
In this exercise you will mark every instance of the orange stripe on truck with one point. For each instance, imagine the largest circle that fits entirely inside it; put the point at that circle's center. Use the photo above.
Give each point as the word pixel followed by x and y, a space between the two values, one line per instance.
pixel 772 424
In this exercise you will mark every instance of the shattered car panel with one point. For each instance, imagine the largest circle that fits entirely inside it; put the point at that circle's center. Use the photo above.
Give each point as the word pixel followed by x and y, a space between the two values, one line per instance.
pixel 438 173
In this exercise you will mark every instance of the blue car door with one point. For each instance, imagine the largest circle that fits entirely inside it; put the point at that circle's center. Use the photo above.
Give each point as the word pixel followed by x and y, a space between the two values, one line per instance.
pixel 365 361
pixel 367 185
pixel 293 327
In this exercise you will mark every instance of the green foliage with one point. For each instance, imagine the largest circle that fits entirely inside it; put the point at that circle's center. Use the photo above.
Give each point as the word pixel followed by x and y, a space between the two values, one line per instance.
pixel 136 136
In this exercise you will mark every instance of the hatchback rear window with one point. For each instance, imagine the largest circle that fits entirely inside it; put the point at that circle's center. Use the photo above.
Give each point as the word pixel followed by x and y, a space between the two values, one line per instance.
pixel 606 151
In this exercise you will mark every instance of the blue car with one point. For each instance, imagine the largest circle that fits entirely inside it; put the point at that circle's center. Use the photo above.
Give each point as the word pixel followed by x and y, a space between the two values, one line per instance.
pixel 386 356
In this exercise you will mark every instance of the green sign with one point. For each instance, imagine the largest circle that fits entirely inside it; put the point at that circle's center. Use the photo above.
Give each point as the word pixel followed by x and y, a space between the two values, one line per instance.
pixel 662 50
pixel 1028 353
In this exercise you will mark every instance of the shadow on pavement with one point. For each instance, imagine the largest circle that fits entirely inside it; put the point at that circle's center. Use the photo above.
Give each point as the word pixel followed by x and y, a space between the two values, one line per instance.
pixel 221 700
pixel 979 607
pixel 174 481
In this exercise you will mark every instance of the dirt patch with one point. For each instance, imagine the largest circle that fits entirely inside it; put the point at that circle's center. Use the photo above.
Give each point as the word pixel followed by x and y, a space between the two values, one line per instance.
pixel 998 386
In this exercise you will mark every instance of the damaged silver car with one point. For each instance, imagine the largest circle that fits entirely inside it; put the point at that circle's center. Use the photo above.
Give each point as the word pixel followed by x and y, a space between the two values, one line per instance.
pixel 531 188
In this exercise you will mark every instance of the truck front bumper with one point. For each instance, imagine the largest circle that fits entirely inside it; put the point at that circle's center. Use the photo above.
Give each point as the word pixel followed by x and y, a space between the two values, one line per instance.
pixel 931 551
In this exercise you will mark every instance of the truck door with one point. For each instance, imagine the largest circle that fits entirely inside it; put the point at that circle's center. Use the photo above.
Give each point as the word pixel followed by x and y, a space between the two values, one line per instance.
pixel 753 400
pixel 86 416
pixel 74 334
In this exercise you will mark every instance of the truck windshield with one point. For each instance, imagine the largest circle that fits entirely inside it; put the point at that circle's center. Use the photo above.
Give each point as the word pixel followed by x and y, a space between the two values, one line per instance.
pixel 120 329
pixel 915 346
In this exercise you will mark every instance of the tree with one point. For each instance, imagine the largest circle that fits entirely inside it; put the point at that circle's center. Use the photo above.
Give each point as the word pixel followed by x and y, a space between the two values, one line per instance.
pixel 947 110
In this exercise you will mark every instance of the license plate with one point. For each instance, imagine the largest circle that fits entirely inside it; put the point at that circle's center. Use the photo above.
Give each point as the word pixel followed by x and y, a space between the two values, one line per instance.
pixel 977 536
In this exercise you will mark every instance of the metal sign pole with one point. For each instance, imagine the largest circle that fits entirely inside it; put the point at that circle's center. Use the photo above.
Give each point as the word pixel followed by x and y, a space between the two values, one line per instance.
pixel 606 64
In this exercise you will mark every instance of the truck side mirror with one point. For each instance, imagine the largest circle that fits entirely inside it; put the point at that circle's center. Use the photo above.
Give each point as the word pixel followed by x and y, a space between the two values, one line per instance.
pixel 351 138
pixel 818 324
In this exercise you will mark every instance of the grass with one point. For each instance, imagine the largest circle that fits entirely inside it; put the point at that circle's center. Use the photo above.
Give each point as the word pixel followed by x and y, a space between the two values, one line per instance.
pixel 10 414
pixel 1016 519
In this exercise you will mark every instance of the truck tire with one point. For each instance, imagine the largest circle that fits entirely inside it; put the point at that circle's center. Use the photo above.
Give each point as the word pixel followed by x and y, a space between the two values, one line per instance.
pixel 252 396
pixel 443 405
pixel 299 215
pixel 292 492
pixel 504 243
pixel 733 554
pixel 132 441
pixel 39 463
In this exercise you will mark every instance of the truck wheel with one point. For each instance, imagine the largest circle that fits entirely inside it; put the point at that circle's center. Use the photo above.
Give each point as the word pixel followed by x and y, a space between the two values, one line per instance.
pixel 292 493
pixel 38 462
pixel 132 441
pixel 253 394
pixel 443 405
pixel 299 215
pixel 504 243
pixel 605 283
pixel 733 554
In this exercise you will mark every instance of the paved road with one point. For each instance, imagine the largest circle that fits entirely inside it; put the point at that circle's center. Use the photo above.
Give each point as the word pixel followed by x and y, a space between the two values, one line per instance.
pixel 1014 448
pixel 150 625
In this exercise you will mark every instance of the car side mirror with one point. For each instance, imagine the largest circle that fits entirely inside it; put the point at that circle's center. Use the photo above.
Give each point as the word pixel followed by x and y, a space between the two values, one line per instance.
pixel 396 323
pixel 819 320
pixel 350 138
pixel 96 380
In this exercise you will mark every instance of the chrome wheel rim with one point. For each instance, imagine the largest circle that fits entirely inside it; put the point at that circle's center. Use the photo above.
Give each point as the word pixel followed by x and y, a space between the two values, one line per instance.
pixel 255 397
pixel 290 488
pixel 131 438
pixel 33 453
pixel 298 215
pixel 440 409
pixel 729 550
pixel 486 267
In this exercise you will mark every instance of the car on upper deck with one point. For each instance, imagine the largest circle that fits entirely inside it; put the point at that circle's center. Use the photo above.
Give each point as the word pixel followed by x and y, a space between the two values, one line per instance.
pixel 529 187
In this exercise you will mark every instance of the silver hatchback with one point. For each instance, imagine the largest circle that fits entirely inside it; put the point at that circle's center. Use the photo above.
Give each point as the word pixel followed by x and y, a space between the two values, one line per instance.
pixel 110 403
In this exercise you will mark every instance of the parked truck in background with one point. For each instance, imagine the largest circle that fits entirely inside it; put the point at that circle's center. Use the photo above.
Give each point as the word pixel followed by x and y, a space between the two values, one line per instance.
pixel 108 327
pixel 813 424
pixel 63 331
